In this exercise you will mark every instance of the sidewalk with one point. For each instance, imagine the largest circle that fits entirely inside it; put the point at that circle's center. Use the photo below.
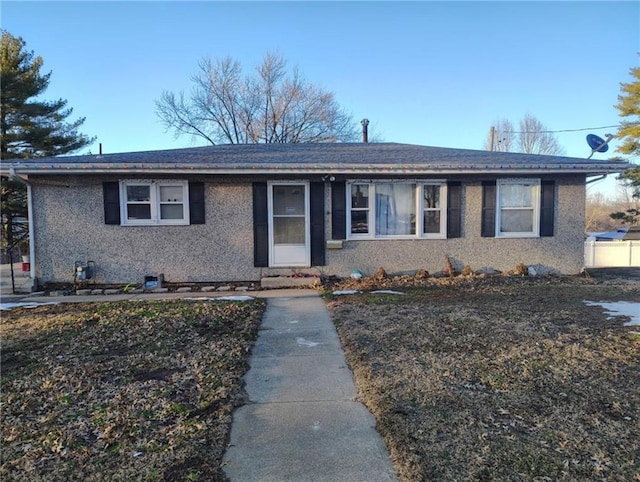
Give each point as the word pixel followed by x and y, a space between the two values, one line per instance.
pixel 302 422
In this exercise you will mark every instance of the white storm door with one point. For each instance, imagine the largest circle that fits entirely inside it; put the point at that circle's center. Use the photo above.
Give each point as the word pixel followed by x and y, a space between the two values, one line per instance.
pixel 289 224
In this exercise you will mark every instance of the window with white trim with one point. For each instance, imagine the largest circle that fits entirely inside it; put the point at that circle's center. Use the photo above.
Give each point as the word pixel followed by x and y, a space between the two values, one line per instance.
pixel 154 202
pixel 386 209
pixel 518 208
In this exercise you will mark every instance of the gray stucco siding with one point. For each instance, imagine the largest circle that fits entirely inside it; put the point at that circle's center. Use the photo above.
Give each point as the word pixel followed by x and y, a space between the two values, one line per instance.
pixel 562 252
pixel 69 226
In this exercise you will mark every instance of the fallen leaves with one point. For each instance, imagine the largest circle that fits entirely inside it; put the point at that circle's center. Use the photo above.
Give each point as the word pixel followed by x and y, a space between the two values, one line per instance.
pixel 498 378
pixel 122 391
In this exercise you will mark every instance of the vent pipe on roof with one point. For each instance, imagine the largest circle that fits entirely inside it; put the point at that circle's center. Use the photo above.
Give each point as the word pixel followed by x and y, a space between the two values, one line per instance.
pixel 365 133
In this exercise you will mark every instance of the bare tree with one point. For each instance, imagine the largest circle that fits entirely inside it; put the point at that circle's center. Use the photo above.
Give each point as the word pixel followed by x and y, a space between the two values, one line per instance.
pixel 271 106
pixel 609 213
pixel 597 209
pixel 627 208
pixel 503 136
pixel 535 138
pixel 531 138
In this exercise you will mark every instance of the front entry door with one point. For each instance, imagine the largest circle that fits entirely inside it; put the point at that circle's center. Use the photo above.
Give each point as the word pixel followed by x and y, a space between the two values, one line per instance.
pixel 289 224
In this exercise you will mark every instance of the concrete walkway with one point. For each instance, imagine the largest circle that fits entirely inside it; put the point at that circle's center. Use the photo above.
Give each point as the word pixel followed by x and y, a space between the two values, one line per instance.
pixel 302 422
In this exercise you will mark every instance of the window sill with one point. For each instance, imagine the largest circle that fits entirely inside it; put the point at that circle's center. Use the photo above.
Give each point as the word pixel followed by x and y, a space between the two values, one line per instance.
pixel 397 238
pixel 517 236
pixel 181 222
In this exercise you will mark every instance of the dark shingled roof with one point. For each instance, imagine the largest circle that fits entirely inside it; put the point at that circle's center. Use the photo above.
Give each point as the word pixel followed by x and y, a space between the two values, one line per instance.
pixel 338 158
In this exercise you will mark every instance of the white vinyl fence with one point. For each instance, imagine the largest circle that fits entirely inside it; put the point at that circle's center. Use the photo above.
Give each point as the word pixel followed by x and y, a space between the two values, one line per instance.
pixel 611 254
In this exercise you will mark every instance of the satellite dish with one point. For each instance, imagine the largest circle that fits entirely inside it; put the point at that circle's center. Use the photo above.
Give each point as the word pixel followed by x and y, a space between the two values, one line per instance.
pixel 597 144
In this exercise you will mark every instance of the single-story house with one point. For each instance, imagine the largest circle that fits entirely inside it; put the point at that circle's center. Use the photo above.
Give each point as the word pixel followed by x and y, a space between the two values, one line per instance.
pixel 241 212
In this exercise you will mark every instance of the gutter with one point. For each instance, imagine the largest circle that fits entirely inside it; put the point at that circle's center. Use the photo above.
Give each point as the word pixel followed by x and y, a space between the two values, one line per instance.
pixel 318 169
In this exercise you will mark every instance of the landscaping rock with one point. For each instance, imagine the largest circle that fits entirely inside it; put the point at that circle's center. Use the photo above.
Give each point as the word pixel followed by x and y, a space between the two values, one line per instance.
pixel 97 292
pixel 184 289
pixel 224 288
pixel 207 289
pixel 380 274
pixel 467 271
pixel 83 292
pixel 111 291
pixel 520 270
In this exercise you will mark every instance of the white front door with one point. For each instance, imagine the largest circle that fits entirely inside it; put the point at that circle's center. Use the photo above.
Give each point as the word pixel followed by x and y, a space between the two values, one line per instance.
pixel 289 224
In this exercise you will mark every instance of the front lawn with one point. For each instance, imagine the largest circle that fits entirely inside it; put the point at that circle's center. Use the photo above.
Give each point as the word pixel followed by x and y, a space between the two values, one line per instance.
pixel 498 379
pixel 139 390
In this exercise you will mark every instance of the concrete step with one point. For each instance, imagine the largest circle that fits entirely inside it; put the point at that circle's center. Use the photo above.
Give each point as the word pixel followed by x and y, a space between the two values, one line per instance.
pixel 289 282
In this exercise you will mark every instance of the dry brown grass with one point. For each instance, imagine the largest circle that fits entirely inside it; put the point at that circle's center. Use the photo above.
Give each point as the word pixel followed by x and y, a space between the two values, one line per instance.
pixel 498 379
pixel 122 391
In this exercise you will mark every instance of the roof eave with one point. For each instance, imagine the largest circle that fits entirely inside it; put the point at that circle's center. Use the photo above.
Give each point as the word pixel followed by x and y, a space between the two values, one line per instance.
pixel 591 170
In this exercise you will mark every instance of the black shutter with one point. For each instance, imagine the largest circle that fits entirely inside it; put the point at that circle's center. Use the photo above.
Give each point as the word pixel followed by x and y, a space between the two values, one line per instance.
pixel 454 210
pixel 316 212
pixel 260 225
pixel 111 198
pixel 338 210
pixel 488 209
pixel 196 203
pixel 547 207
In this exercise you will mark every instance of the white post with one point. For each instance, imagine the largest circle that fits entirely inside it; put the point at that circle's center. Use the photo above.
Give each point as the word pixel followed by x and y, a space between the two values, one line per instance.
pixel 589 252
pixel 32 244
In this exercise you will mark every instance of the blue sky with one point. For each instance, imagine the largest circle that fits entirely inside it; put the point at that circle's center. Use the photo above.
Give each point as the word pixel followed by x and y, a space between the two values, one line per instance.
pixel 430 73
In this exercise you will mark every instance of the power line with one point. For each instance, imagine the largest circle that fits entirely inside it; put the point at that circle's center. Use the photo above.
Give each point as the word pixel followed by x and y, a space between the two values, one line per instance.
pixel 565 130
pixel 626 124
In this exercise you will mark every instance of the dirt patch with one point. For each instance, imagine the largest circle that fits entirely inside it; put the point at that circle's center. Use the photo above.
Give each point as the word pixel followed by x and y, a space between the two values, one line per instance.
pixel 498 378
pixel 140 390
pixel 620 275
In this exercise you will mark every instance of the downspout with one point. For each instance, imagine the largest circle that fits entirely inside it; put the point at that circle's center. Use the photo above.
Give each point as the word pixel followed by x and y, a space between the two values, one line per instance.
pixel 596 179
pixel 32 247
pixel 32 239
